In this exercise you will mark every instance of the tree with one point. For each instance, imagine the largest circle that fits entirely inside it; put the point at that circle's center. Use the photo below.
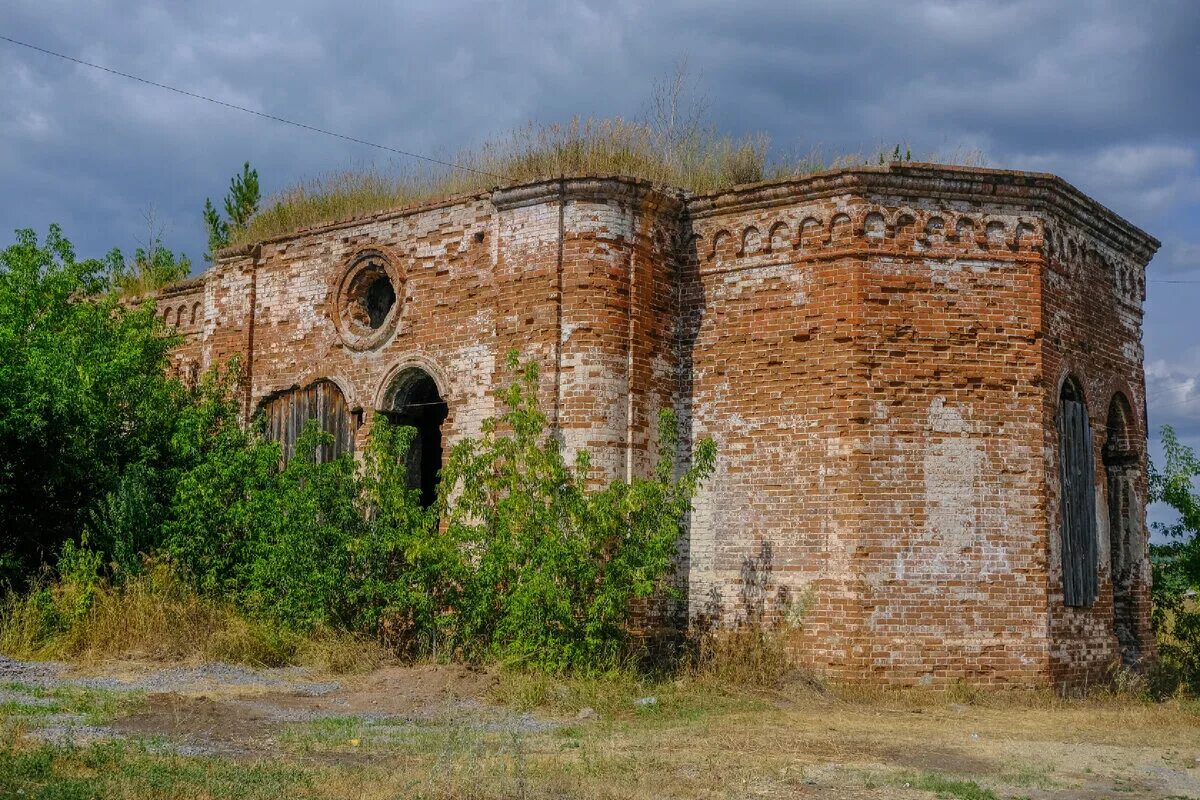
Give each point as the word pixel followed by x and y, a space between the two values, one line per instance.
pixel 1176 615
pixel 241 203
pixel 83 395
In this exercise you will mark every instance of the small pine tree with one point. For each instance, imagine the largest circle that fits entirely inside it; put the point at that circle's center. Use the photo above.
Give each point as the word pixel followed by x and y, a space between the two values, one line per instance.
pixel 241 203
pixel 218 229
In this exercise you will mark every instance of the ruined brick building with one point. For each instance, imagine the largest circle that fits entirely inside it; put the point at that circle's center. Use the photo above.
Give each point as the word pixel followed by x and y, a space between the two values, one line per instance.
pixel 925 385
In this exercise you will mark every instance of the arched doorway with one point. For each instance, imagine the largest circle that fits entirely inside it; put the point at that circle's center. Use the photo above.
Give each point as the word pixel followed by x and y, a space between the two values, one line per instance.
pixel 414 400
pixel 1121 467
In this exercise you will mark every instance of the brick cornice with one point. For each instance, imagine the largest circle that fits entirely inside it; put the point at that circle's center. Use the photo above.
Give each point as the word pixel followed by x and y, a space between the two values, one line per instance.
pixel 601 188
pixel 1023 191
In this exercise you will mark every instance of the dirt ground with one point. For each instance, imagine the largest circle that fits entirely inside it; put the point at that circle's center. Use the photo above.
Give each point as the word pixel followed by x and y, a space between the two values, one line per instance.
pixel 451 731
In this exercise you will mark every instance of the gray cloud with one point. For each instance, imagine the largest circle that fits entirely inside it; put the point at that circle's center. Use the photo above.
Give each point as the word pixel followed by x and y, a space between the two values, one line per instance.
pixel 1101 92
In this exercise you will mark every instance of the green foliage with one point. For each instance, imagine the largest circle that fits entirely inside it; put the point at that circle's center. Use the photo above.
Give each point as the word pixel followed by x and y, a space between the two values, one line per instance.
pixel 550 566
pixel 302 528
pixel 218 229
pixel 307 545
pixel 220 468
pixel 1176 615
pixel 83 397
pixel 403 571
pixel 241 203
pixel 519 558
pixel 140 486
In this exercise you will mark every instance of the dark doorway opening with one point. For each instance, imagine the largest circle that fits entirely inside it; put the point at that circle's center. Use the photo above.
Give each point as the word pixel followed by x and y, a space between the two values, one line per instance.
pixel 416 402
pixel 1121 469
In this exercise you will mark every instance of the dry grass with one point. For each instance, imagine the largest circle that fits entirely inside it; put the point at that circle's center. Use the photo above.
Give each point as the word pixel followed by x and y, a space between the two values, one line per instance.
pixel 156 616
pixel 748 655
pixel 701 739
pixel 690 156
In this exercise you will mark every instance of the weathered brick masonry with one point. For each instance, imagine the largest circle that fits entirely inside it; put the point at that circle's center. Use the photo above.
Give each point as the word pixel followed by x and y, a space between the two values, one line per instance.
pixel 881 354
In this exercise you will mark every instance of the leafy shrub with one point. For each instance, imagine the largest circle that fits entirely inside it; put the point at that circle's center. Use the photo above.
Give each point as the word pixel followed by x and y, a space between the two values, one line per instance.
pixel 548 566
pixel 1176 613
pixel 519 558
pixel 83 397
pixel 174 524
pixel 219 468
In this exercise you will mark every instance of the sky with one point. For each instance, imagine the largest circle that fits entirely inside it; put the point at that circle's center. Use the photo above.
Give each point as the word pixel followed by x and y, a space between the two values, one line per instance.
pixel 1105 94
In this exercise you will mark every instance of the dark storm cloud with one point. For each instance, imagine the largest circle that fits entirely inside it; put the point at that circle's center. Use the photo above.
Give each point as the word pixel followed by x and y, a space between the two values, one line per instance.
pixel 1103 93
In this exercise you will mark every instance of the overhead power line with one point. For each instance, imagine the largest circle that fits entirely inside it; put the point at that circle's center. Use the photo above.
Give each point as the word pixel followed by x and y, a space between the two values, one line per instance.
pixel 243 109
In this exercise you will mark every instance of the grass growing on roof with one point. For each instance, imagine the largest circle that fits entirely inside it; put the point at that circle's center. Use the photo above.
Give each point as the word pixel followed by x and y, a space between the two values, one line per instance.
pixel 691 156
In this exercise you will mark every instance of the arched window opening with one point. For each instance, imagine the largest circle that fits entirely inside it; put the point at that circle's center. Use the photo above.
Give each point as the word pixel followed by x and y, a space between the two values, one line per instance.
pixel 414 400
pixel 1121 466
pixel 1077 476
pixel 287 412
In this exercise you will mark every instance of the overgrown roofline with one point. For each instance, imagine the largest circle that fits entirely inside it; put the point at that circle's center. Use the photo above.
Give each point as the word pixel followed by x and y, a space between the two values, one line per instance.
pixel 1033 190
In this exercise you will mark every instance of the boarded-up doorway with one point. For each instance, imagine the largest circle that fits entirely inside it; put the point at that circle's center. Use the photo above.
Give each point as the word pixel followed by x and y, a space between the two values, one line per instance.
pixel 1077 477
pixel 287 412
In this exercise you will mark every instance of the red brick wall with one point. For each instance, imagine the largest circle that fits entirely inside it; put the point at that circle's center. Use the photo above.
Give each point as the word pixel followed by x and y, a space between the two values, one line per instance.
pixel 875 351
pixel 1092 301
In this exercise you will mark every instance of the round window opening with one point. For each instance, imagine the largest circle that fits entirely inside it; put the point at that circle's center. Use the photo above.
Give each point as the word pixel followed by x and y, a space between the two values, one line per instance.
pixel 378 300
pixel 367 306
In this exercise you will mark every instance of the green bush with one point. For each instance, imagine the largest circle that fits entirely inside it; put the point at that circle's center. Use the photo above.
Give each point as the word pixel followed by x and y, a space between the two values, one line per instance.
pixel 83 401
pixel 112 469
pixel 549 567
pixel 520 558
pixel 1176 610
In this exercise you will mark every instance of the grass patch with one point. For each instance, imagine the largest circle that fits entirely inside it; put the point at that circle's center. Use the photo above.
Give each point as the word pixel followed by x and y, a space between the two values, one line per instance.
pixel 157 616
pixel 94 706
pixel 623 695
pixel 692 156
pixel 1029 776
pixel 325 733
pixel 943 786
pixel 119 769
pixel 742 742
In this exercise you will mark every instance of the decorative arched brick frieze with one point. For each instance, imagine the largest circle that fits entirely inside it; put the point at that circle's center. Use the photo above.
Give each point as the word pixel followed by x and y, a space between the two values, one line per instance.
pixel 934 230
pixel 1028 236
pixel 996 233
pixel 841 230
pixel 966 231
pixel 809 233
pixel 751 242
pixel 875 225
pixel 722 242
pixel 779 239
